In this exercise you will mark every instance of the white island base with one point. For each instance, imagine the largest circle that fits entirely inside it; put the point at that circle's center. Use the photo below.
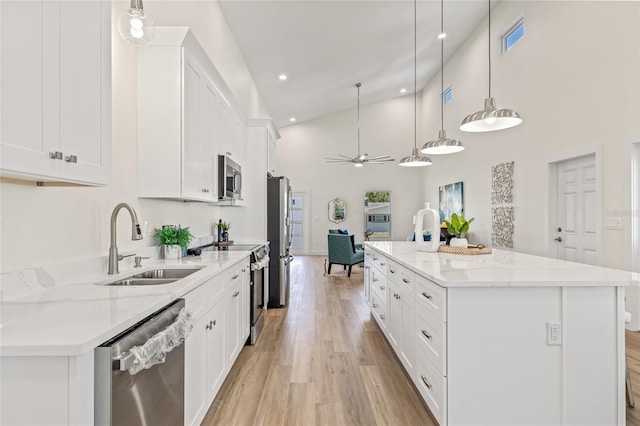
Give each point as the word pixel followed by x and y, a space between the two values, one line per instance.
pixel 473 332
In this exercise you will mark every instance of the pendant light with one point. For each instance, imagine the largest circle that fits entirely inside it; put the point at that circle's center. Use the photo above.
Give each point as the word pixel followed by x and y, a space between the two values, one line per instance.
pixel 490 118
pixel 442 145
pixel 415 159
pixel 135 25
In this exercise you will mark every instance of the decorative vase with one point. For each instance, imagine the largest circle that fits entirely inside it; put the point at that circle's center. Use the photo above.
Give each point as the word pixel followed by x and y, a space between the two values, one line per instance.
pixel 171 252
pixel 459 242
pixel 225 236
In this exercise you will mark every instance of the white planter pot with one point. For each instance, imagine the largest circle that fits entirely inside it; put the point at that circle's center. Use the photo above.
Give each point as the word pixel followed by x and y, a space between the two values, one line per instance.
pixel 172 252
pixel 459 242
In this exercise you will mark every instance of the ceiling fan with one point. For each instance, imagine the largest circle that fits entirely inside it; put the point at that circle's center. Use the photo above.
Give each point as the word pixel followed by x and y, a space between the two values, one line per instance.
pixel 360 159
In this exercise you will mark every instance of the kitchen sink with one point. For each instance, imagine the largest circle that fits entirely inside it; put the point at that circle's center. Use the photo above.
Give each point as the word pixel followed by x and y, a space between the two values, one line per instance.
pixel 155 277
pixel 174 274
pixel 143 281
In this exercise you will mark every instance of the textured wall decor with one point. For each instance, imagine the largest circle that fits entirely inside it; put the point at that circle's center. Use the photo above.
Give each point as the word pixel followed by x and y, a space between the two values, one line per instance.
pixel 451 200
pixel 502 226
pixel 502 183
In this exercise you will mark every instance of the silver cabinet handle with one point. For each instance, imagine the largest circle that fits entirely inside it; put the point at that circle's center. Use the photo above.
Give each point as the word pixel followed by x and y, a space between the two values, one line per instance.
pixel 71 159
pixel 236 294
pixel 375 305
pixel 235 277
pixel 427 335
pixel 382 263
pixel 406 281
pixel 210 325
pixel 381 287
pixel 559 239
pixel 392 271
pixel 382 317
pixel 424 379
pixel 375 280
pixel 426 295
pixel 375 258
pixel 56 155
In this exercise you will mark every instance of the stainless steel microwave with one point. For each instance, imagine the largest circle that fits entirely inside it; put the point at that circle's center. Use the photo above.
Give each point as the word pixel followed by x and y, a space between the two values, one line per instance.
pixel 229 179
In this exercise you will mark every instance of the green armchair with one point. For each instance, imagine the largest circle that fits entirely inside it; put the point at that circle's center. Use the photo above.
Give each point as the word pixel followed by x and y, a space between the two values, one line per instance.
pixel 342 251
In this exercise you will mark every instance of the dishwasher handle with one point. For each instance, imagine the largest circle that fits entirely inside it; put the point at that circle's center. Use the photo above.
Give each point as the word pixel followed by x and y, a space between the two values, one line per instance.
pixel 154 350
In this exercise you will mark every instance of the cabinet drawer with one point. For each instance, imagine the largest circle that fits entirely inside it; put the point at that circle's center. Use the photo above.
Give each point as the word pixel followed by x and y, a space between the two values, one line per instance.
pixel 380 261
pixel 400 275
pixel 379 285
pixel 196 300
pixel 432 387
pixel 432 297
pixel 233 274
pixel 379 311
pixel 431 338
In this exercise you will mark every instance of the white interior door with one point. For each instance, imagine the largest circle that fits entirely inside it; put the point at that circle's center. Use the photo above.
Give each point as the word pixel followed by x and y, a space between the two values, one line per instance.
pixel 300 223
pixel 577 225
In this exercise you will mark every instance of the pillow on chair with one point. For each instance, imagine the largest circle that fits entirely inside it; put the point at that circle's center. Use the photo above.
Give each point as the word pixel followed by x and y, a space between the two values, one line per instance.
pixel 427 237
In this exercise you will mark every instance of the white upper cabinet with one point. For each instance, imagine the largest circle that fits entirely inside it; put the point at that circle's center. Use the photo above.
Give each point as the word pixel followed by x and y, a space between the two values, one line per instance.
pixel 184 119
pixel 56 91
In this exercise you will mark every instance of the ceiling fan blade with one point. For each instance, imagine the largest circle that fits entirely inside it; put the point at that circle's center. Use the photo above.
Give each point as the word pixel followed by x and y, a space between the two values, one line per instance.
pixel 344 156
pixel 379 158
pixel 336 159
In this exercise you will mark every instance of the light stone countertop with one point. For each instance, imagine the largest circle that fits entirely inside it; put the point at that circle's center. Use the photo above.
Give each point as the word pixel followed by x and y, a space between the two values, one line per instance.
pixel 501 268
pixel 60 311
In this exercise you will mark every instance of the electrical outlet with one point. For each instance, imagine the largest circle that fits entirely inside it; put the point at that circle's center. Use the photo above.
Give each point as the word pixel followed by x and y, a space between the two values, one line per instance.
pixel 554 333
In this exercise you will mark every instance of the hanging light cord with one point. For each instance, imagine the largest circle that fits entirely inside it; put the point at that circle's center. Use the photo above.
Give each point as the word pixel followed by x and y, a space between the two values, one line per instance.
pixel 489 48
pixel 442 65
pixel 358 86
pixel 415 72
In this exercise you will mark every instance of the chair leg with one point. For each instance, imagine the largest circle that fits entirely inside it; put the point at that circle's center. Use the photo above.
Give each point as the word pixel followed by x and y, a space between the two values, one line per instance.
pixel 344 267
pixel 349 273
pixel 630 401
pixel 329 270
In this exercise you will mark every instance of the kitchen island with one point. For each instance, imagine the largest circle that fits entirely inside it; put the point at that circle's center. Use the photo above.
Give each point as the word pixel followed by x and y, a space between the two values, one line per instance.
pixel 504 338
pixel 52 318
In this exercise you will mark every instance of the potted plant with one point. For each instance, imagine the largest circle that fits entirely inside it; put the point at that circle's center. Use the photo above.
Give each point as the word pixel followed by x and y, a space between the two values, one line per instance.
pixel 223 230
pixel 174 239
pixel 458 226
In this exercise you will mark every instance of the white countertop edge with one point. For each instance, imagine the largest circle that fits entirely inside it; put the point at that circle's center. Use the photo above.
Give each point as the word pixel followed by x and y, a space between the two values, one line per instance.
pixel 181 288
pixel 634 278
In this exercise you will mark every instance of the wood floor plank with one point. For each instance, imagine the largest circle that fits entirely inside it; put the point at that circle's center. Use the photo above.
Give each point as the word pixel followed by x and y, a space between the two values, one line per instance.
pixel 307 366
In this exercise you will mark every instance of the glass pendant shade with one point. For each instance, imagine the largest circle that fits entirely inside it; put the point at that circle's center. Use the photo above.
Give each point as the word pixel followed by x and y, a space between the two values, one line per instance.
pixel 442 145
pixel 135 26
pixel 490 118
pixel 415 160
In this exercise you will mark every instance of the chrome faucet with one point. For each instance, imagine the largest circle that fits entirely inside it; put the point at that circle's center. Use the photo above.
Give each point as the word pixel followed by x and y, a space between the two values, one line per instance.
pixel 136 234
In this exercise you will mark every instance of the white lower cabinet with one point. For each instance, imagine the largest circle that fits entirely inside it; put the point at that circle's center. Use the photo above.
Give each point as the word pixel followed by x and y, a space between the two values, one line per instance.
pixel 217 338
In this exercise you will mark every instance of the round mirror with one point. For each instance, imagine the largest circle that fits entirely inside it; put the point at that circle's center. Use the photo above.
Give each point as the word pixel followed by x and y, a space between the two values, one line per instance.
pixel 337 210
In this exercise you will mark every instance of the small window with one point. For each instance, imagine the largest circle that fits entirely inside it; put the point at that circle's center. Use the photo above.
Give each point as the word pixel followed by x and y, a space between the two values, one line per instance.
pixel 513 35
pixel 447 95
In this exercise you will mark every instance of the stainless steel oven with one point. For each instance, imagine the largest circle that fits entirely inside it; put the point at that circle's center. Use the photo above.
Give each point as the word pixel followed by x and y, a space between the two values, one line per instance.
pixel 259 284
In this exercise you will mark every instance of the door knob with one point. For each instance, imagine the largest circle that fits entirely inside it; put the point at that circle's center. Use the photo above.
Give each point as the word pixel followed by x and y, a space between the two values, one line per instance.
pixel 559 239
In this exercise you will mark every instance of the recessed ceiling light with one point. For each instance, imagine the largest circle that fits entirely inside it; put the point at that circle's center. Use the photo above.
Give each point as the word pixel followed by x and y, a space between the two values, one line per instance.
pixel 441 36
pixel 403 90
pixel 292 119
pixel 282 77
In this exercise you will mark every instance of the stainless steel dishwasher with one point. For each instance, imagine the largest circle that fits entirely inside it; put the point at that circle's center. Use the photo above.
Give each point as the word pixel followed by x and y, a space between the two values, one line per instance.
pixel 139 377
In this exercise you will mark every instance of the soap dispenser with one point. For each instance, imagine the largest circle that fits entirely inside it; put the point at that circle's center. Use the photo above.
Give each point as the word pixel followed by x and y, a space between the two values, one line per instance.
pixel 432 219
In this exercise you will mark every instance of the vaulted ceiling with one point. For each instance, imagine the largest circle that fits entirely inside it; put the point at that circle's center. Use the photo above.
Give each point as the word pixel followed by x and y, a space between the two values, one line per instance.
pixel 325 47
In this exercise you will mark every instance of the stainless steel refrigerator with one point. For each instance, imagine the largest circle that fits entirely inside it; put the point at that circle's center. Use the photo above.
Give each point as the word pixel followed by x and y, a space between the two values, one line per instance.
pixel 279 236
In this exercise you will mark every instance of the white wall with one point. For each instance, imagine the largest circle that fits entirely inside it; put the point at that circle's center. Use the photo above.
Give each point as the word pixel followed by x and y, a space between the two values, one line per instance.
pixel 50 225
pixel 574 80
pixel 385 129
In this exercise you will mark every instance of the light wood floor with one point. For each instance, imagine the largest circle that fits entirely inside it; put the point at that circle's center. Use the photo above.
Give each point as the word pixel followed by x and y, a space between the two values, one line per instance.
pixel 321 361
pixel 633 357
